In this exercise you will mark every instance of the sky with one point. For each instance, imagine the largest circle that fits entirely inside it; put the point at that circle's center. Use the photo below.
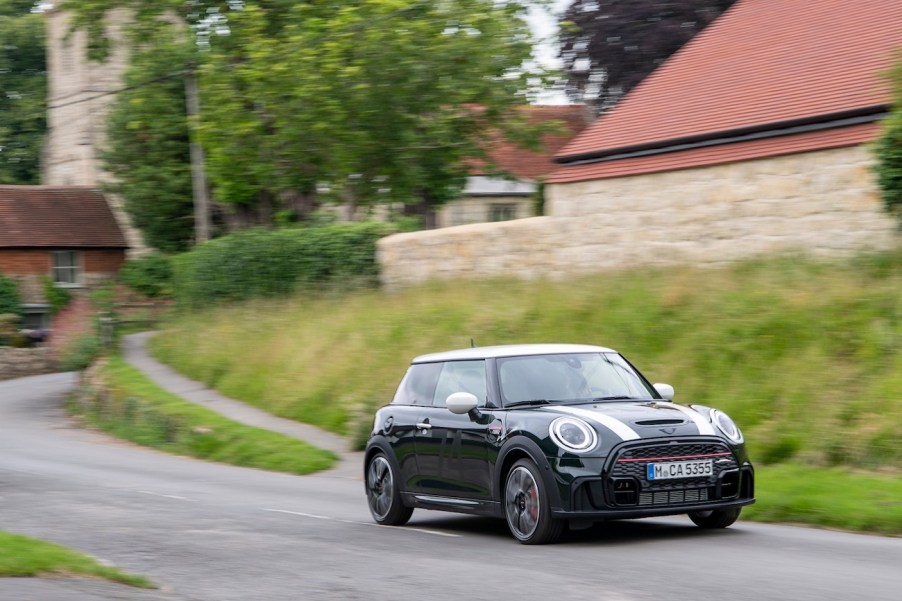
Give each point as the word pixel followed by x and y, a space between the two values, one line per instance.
pixel 544 26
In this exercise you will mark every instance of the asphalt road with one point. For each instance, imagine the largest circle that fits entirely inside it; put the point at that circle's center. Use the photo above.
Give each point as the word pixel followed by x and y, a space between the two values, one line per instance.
pixel 219 533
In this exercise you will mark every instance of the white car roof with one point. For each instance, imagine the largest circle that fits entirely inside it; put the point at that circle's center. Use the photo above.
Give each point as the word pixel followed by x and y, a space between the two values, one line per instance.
pixel 509 350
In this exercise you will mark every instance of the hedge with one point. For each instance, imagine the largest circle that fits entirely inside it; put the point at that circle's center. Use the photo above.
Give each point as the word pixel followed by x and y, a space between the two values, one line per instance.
pixel 262 263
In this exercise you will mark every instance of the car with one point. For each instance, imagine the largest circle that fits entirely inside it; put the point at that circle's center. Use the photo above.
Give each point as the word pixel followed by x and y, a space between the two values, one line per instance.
pixel 547 436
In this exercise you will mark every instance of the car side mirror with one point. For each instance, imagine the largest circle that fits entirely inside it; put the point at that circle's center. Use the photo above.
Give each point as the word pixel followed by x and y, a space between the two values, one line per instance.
pixel 665 390
pixel 462 402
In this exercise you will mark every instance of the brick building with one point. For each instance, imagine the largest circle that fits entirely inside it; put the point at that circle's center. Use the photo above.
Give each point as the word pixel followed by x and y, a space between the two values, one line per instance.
pixel 66 235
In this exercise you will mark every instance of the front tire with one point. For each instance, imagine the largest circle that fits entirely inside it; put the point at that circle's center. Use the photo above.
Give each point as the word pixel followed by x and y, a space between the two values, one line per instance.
pixel 526 506
pixel 382 494
pixel 716 518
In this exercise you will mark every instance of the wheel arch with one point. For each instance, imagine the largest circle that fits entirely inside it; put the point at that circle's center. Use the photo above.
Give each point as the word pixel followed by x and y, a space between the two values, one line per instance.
pixel 378 445
pixel 521 447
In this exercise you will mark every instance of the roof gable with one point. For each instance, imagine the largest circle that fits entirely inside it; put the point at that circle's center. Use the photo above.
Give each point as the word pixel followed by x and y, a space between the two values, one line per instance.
pixel 522 163
pixel 762 66
pixel 57 217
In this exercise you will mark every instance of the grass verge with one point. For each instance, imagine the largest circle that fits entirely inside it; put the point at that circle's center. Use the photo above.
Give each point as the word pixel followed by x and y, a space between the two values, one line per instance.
pixel 119 399
pixel 805 354
pixel 25 556
pixel 828 497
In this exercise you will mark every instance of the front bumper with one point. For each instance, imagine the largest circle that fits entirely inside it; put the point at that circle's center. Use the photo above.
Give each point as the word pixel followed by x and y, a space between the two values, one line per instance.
pixel 617 487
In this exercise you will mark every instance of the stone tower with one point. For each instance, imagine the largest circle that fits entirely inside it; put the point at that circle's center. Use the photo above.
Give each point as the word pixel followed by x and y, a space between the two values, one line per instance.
pixel 79 96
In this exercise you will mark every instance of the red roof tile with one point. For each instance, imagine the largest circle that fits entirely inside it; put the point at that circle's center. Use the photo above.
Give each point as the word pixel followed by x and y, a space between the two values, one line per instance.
pixel 59 217
pixel 762 62
pixel 527 164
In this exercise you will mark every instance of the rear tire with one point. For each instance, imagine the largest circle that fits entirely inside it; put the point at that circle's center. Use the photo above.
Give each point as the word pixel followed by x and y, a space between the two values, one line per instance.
pixel 526 506
pixel 716 518
pixel 382 494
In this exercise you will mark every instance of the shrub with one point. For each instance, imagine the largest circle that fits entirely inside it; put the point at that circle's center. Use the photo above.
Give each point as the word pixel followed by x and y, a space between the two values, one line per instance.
pixel 888 149
pixel 56 297
pixel 80 353
pixel 150 275
pixel 259 263
pixel 9 330
pixel 9 296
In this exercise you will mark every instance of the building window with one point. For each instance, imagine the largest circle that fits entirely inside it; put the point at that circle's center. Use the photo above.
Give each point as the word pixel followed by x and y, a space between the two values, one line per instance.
pixel 65 268
pixel 502 212
pixel 35 317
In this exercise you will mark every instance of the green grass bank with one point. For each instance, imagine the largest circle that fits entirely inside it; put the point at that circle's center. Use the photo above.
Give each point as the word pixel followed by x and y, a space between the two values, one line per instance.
pixel 119 399
pixel 806 355
pixel 25 556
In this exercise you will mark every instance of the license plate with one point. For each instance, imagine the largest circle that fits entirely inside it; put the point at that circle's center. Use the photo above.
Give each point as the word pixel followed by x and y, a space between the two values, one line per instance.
pixel 680 469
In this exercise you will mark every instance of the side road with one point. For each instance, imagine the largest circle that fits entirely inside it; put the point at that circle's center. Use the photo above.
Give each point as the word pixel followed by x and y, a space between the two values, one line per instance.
pixel 134 348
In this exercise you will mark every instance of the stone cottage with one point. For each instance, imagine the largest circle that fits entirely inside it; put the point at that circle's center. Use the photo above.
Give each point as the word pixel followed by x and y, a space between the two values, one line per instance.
pixel 752 138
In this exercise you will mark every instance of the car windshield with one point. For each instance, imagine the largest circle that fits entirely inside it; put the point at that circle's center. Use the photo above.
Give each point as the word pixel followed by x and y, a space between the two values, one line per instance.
pixel 532 379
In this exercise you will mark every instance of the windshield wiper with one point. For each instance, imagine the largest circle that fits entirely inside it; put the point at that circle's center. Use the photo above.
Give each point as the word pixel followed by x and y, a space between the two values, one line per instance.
pixel 529 403
pixel 613 398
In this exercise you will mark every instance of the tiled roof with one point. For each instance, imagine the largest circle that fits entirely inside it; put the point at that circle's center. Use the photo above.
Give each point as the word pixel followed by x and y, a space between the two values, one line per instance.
pixel 527 164
pixel 763 64
pixel 59 217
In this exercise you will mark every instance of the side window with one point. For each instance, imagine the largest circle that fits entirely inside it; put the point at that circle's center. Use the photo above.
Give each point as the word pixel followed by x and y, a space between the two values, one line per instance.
pixel 461 376
pixel 418 385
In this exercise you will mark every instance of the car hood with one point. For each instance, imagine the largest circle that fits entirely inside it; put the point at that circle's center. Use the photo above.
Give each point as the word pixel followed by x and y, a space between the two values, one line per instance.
pixel 633 421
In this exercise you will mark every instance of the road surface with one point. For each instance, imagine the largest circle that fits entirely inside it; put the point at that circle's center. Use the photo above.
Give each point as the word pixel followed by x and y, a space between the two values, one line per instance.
pixel 209 532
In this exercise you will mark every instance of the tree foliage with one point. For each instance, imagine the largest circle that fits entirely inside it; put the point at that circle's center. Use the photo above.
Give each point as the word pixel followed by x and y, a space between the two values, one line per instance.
pixel 359 102
pixel 888 149
pixel 23 92
pixel 147 145
pixel 609 46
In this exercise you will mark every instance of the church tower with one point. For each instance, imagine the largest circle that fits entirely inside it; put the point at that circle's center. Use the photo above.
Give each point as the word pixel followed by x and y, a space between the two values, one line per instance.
pixel 79 96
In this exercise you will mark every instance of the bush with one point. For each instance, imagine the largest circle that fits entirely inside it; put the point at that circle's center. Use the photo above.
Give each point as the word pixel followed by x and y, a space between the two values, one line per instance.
pixel 259 263
pixel 10 301
pixel 888 149
pixel 80 353
pixel 56 297
pixel 150 275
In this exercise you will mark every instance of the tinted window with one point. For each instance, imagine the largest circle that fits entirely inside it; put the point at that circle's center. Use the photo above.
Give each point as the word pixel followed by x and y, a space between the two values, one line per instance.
pixel 418 385
pixel 461 376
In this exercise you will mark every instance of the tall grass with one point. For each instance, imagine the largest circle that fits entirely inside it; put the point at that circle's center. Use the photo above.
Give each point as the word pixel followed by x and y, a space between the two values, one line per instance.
pixel 806 355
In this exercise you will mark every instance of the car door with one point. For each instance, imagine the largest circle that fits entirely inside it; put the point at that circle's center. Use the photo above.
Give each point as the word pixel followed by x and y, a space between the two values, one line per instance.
pixel 414 395
pixel 452 450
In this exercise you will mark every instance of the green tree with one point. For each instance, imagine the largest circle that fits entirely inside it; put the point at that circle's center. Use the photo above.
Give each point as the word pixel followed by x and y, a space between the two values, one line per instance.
pixel 366 101
pixel 147 147
pixel 888 149
pixel 23 92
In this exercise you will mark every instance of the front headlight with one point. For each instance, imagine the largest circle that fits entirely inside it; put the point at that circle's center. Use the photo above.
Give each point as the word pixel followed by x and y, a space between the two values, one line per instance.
pixel 573 434
pixel 726 425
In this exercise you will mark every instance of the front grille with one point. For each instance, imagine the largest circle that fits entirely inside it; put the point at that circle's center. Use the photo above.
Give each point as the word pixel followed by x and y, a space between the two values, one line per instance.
pixel 630 465
pixel 673 497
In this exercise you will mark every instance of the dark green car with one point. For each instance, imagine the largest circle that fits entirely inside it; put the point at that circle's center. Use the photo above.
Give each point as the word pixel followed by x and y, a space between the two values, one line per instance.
pixel 546 434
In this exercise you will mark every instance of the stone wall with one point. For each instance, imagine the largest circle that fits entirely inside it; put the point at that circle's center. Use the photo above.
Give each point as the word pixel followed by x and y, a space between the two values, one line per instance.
pixel 21 362
pixel 823 202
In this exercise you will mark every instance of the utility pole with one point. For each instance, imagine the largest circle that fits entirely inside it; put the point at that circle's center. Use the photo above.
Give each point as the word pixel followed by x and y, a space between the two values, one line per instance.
pixel 198 173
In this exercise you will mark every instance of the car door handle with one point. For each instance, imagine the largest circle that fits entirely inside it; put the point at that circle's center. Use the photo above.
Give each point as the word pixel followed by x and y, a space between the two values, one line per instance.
pixel 424 426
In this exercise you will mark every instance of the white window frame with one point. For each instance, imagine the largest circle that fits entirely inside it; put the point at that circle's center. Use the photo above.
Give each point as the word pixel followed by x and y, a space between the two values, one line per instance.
pixel 71 268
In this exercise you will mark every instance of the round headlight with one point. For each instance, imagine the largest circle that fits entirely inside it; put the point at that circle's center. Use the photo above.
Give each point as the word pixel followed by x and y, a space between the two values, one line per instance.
pixel 726 425
pixel 572 434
